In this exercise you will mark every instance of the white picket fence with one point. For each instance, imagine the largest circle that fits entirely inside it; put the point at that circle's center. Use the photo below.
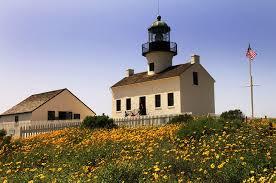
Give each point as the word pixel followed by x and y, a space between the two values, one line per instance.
pixel 29 128
pixel 27 131
pixel 137 121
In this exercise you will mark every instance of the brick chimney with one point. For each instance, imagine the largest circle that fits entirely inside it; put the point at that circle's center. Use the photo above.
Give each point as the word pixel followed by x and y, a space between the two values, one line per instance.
pixel 129 72
pixel 195 59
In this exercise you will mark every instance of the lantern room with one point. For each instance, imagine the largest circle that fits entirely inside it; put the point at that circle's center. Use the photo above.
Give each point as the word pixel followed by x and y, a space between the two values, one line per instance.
pixel 159 38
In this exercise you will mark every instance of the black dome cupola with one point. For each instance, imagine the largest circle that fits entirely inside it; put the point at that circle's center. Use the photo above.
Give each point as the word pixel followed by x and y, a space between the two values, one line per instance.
pixel 159 38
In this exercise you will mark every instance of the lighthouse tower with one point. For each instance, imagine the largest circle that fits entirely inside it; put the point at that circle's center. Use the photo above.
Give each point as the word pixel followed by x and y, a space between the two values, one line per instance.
pixel 159 51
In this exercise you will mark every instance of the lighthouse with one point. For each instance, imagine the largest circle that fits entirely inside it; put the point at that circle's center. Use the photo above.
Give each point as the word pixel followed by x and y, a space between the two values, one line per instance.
pixel 163 88
pixel 159 50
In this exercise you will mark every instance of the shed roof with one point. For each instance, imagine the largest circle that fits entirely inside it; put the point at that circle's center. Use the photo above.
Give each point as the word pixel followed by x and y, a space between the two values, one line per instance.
pixel 32 102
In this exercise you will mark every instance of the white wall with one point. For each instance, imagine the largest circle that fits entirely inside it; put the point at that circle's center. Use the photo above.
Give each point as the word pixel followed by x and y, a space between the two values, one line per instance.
pixel 148 89
pixel 7 123
pixel 11 118
pixel 198 99
pixel 161 59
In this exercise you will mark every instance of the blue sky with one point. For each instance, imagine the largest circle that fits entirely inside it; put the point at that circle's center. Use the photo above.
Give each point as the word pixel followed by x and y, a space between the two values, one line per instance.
pixel 86 46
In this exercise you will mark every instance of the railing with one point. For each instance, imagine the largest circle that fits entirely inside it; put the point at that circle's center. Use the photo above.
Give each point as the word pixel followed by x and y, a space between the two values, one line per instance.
pixel 137 121
pixel 159 46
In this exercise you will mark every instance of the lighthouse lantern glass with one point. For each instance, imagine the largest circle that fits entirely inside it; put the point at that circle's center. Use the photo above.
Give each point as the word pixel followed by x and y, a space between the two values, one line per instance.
pixel 158 36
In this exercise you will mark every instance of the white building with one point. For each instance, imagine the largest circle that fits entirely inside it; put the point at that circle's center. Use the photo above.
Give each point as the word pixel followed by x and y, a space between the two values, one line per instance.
pixel 164 89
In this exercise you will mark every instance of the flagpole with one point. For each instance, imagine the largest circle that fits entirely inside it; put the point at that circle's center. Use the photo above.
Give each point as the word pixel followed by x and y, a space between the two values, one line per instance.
pixel 251 88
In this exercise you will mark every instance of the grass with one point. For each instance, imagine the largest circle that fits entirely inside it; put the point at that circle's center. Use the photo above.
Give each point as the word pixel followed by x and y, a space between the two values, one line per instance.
pixel 204 150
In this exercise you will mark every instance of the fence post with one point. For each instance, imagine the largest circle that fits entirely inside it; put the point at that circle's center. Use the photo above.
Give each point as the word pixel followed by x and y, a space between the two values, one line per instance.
pixel 20 131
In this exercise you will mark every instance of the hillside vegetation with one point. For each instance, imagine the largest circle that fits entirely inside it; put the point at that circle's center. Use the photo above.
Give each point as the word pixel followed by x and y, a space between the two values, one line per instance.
pixel 200 150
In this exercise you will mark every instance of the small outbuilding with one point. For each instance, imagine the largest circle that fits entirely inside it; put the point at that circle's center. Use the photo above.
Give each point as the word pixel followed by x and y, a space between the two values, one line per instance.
pixel 48 106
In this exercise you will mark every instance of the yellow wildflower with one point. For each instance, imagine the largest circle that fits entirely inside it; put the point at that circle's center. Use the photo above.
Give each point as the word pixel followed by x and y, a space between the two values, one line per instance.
pixel 212 165
pixel 155 175
pixel 9 171
pixel 156 168
pixel 41 176
pixel 59 169
pixel 221 165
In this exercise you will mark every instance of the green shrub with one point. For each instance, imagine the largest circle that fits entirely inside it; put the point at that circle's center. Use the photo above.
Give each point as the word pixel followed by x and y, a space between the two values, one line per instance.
pixel 3 133
pixel 117 173
pixel 199 127
pixel 233 115
pixel 181 119
pixel 178 166
pixel 272 120
pixel 233 171
pixel 98 122
pixel 7 139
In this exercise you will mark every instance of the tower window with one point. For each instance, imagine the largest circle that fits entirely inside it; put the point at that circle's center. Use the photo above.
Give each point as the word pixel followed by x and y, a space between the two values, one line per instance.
pixel 151 66
pixel 195 78
pixel 128 104
pixel 118 105
pixel 157 100
pixel 170 99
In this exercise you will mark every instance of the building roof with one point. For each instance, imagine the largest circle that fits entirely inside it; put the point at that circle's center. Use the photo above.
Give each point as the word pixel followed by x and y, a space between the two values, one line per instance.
pixel 32 103
pixel 143 76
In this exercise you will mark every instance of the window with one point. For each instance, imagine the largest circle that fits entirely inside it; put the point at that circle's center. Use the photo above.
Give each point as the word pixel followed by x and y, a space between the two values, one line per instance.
pixel 195 78
pixel 151 66
pixel 118 105
pixel 16 119
pixel 51 115
pixel 128 104
pixel 64 115
pixel 76 116
pixel 69 115
pixel 157 100
pixel 170 99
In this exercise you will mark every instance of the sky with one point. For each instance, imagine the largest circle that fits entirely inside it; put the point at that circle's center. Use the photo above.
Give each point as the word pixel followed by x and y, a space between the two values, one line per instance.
pixel 86 46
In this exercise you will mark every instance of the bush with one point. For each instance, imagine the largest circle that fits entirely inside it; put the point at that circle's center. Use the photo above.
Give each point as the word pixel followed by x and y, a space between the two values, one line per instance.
pixel 233 115
pixel 233 171
pixel 98 122
pixel 116 173
pixel 232 126
pixel 6 140
pixel 3 133
pixel 199 127
pixel 181 119
pixel 178 166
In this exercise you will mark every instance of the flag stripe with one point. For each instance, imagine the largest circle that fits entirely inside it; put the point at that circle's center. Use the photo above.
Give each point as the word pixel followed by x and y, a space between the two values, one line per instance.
pixel 251 54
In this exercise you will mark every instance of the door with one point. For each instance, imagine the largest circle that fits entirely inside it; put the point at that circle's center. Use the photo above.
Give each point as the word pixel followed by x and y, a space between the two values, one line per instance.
pixel 142 106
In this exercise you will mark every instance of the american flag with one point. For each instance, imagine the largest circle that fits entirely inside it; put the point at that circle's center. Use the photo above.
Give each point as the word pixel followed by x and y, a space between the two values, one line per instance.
pixel 251 54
